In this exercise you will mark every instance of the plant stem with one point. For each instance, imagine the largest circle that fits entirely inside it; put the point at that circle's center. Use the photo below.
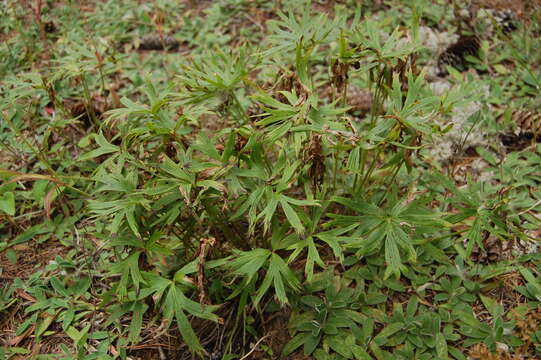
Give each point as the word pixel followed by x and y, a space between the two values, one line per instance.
pixel 372 166
pixel 397 168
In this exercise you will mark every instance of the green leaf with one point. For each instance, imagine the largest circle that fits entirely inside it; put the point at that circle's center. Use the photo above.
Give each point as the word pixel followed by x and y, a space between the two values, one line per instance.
pixel 294 343
pixel 7 203
pixel 139 308
pixel 58 286
pixel 310 344
pixel 68 317
pixel 312 301
pixel 175 305
pixel 389 330
pixel 495 309
pixel 44 324
pixel 338 344
pixel 487 155
pixel 377 351
pixel 15 350
pixel 176 170
pixel 456 353
pixel 11 255
pixel 104 148
pixel 474 236
pixel 80 287
pixel 128 268
pixel 278 274
pixel 76 335
pixel 392 256
pixel 292 216
pixel 436 253
pixel 313 257
pixel 413 303
pixel 248 263
pixel 532 289
pixel 441 346
pixel 359 353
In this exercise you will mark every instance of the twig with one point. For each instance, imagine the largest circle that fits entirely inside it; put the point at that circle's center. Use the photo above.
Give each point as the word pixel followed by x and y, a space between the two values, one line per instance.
pixel 257 23
pixel 210 241
pixel 255 347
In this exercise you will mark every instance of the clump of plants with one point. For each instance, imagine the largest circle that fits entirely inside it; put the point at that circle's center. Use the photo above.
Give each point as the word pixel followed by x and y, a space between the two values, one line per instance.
pixel 238 189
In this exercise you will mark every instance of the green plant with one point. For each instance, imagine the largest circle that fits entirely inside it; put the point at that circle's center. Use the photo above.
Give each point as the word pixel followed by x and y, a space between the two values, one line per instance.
pixel 490 334
pixel 197 193
pixel 423 333
pixel 332 320
pixel 532 288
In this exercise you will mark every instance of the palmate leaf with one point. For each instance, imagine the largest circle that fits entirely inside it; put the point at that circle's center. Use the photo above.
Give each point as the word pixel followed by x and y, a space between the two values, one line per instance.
pixel 213 76
pixel 298 242
pixel 270 209
pixel 263 201
pixel 248 263
pixel 123 210
pixel 128 269
pixel 278 274
pixel 295 243
pixel 359 205
pixel 412 113
pixel 130 109
pixel 369 33
pixel 118 182
pixel 292 216
pixel 483 203
pixel 403 241
pixel 279 117
pixel 391 229
pixel 289 30
pixel 104 148
pixel 176 305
